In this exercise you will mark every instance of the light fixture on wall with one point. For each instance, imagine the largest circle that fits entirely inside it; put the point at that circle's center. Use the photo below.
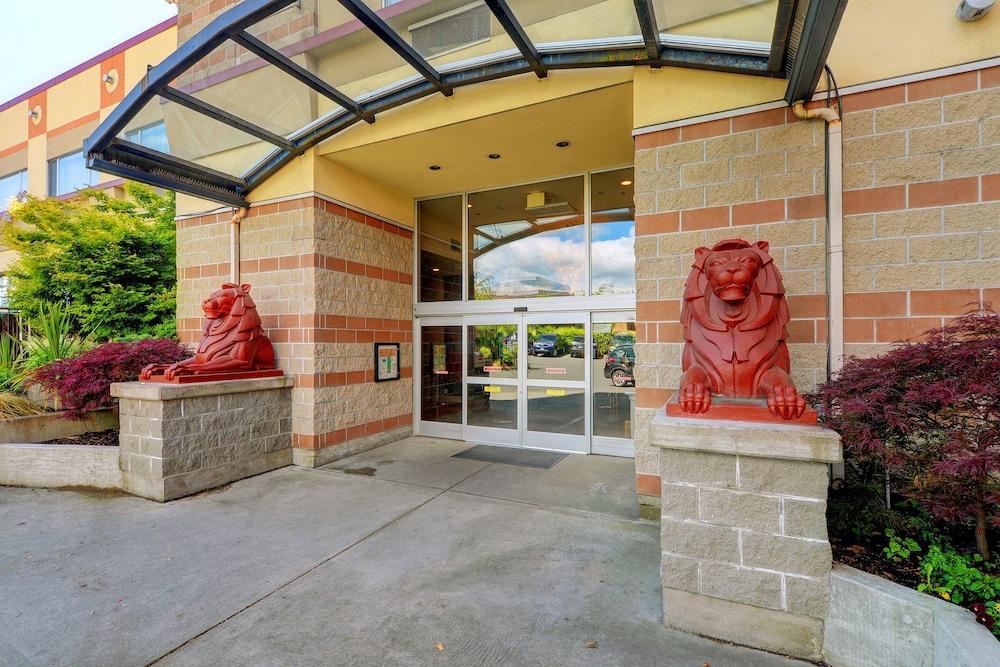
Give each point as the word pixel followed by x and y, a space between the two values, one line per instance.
pixel 34 114
pixel 109 78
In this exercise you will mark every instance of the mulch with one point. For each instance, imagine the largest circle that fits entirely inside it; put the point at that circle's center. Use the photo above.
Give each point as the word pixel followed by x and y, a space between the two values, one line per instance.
pixel 97 438
pixel 872 561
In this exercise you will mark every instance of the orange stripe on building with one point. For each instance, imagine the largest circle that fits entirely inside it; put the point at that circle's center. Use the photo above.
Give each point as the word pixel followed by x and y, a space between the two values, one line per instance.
pixel 14 149
pixel 72 125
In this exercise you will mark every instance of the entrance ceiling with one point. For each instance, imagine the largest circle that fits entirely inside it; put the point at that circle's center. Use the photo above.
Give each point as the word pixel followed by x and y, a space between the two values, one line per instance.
pixel 241 99
pixel 597 125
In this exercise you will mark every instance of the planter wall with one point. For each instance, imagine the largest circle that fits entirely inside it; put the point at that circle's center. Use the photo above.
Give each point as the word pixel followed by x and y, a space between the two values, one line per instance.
pixel 54 466
pixel 873 622
pixel 52 425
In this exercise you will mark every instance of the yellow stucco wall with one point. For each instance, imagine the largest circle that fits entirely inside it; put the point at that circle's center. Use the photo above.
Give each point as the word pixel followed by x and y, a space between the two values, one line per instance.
pixel 71 107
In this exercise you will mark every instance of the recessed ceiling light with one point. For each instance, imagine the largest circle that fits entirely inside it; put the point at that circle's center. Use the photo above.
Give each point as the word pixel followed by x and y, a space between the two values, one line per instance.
pixel 562 144
pixel 626 182
pixel 435 167
pixel 435 269
pixel 494 156
pixel 469 205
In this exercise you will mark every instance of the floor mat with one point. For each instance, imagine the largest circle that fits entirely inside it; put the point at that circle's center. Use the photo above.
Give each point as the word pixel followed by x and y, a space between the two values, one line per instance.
pixel 530 458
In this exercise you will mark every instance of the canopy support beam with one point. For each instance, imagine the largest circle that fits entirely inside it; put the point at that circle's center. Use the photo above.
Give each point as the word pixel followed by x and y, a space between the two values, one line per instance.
pixel 515 31
pixel 650 32
pixel 229 119
pixel 290 67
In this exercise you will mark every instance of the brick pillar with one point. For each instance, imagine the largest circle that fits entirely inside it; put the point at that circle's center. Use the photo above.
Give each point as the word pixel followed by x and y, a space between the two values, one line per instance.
pixel 745 552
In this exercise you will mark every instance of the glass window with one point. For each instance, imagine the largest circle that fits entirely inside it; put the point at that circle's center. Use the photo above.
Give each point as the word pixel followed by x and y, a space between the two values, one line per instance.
pixel 527 241
pixel 556 352
pixel 152 136
pixel 11 187
pixel 4 291
pixel 441 374
pixel 492 406
pixel 612 232
pixel 69 173
pixel 556 410
pixel 493 350
pixel 440 248
pixel 613 379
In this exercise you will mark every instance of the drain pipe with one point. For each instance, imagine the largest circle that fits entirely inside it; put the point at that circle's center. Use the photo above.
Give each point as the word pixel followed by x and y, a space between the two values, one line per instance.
pixel 234 246
pixel 834 230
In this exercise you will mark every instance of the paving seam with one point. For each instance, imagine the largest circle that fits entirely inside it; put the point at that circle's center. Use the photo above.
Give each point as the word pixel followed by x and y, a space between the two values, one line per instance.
pixel 554 508
pixel 315 566
pixel 397 481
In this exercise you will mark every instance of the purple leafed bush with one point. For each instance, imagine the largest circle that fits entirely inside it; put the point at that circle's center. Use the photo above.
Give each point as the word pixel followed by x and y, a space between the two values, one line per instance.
pixel 83 382
pixel 930 412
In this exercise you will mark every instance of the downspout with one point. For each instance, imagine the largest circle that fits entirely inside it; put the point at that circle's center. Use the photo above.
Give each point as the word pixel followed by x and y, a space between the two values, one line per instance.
pixel 234 246
pixel 834 230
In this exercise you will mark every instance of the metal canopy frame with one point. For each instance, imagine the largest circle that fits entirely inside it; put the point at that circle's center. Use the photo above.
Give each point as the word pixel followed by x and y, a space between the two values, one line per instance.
pixel 107 152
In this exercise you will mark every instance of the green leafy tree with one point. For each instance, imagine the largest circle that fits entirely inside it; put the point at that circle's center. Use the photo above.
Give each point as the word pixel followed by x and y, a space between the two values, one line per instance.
pixel 111 262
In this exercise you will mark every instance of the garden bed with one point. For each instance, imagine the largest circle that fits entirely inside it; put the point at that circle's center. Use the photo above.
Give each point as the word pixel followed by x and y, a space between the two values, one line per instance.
pixel 108 438
pixel 50 426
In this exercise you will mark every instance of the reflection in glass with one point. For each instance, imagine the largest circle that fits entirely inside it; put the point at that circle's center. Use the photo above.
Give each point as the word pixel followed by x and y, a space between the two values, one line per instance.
pixel 751 20
pixel 493 350
pixel 493 406
pixel 441 374
pixel 613 379
pixel 612 232
pixel 439 223
pixel 527 241
pixel 556 410
pixel 555 352
pixel 69 173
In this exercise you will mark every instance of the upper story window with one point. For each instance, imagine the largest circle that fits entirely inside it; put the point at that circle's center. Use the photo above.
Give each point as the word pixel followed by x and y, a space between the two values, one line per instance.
pixel 11 187
pixel 69 173
pixel 151 136
pixel 386 3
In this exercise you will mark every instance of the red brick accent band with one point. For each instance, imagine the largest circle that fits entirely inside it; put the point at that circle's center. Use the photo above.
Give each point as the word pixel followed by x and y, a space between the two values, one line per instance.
pixel 304 261
pixel 298 204
pixel 647 485
pixel 331 438
pixel 929 194
pixel 318 328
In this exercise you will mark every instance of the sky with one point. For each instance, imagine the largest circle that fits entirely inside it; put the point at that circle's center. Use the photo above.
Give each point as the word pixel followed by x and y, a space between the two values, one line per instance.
pixel 44 38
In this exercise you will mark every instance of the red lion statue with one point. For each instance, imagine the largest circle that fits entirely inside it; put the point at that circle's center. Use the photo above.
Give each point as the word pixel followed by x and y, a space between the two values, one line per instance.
pixel 734 318
pixel 232 340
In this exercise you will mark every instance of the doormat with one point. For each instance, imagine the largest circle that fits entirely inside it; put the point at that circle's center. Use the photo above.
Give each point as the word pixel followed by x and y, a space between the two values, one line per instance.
pixel 530 458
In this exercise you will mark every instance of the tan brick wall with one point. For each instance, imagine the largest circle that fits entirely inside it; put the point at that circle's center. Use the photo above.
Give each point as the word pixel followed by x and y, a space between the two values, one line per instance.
pixel 922 214
pixel 328 282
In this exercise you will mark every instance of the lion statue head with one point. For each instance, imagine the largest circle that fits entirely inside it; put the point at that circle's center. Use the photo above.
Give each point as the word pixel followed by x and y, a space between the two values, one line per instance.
pixel 734 318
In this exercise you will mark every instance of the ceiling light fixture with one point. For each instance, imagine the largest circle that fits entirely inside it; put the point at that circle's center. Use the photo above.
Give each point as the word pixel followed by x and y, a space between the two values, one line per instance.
pixel 435 269
pixel 494 156
pixel 562 144
pixel 435 167
pixel 626 183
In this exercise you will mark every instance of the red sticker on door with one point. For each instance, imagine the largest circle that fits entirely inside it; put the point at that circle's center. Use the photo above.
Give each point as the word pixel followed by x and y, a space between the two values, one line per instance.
pixel 555 371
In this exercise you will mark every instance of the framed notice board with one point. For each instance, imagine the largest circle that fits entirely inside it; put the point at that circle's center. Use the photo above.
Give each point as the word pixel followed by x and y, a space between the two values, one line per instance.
pixel 386 361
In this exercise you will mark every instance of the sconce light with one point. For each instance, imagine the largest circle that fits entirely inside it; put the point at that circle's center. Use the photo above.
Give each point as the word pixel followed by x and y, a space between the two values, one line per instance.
pixel 34 114
pixel 109 78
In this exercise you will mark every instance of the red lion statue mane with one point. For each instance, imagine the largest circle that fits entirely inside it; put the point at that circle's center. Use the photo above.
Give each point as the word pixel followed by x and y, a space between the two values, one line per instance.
pixel 232 340
pixel 734 317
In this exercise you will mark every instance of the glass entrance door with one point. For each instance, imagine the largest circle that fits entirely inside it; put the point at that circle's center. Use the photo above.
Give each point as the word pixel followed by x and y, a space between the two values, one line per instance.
pixel 556 381
pixel 493 379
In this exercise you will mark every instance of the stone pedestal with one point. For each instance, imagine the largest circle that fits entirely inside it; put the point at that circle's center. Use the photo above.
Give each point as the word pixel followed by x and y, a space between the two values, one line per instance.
pixel 180 439
pixel 746 557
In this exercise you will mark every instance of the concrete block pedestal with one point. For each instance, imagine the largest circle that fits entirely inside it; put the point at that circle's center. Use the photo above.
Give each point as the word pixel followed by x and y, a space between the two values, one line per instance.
pixel 176 440
pixel 745 554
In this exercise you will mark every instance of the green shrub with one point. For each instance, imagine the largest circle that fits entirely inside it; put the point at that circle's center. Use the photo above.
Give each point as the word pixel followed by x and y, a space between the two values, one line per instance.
pixel 111 261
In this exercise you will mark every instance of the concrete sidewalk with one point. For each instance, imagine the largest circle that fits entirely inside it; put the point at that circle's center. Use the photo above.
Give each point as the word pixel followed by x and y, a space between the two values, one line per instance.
pixel 374 560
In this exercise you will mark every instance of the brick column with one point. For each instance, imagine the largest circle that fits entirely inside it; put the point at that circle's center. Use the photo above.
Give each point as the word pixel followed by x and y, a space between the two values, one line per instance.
pixel 745 552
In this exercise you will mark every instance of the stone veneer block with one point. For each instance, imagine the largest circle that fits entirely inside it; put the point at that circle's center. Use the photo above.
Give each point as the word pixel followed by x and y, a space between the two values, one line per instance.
pixel 176 440
pixel 743 531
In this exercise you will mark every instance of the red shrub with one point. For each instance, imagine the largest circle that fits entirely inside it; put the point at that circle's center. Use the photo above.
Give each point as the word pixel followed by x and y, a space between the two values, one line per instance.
pixel 930 410
pixel 83 382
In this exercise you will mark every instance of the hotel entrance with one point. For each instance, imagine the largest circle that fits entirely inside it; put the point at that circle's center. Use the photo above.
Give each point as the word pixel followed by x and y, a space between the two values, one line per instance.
pixel 525 327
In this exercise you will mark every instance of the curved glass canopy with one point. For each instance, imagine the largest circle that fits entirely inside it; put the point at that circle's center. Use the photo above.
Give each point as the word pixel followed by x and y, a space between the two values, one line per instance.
pixel 268 79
